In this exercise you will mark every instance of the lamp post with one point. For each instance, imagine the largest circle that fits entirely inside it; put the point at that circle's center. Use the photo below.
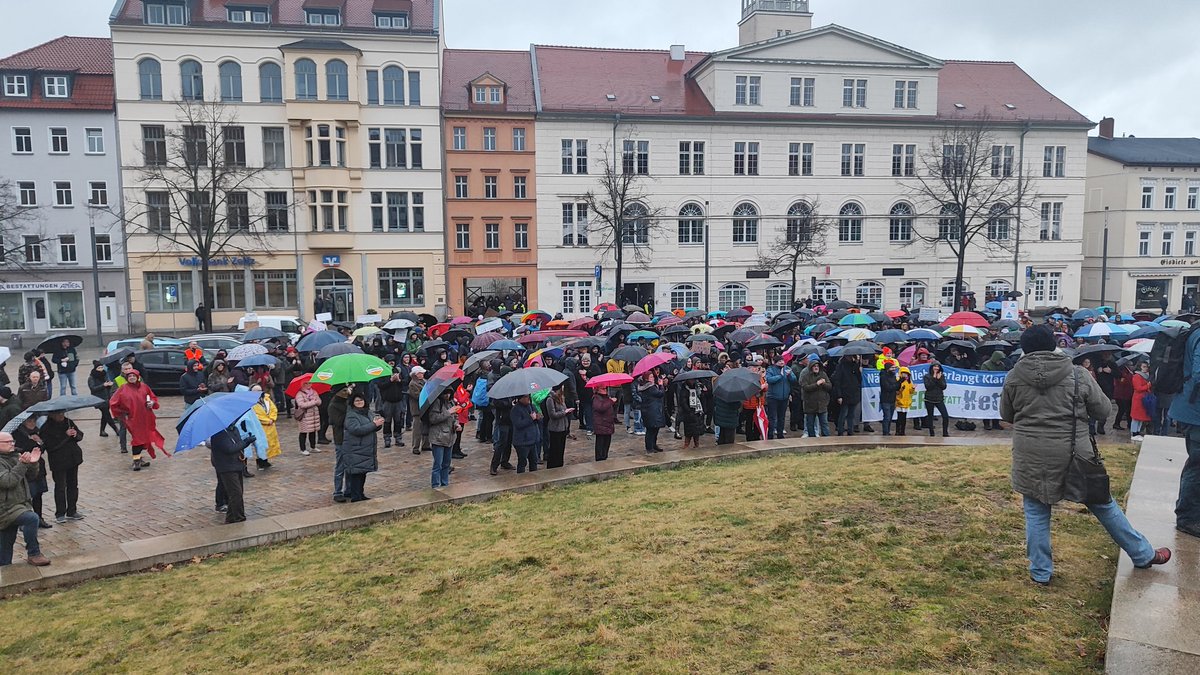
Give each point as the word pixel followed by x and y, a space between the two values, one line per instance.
pixel 96 287
pixel 1104 261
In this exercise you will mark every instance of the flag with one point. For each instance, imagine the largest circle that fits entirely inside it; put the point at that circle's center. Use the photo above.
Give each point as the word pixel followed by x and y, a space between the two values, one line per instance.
pixel 760 419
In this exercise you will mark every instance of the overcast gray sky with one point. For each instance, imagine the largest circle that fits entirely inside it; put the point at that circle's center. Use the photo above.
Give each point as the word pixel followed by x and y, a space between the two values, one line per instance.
pixel 1136 62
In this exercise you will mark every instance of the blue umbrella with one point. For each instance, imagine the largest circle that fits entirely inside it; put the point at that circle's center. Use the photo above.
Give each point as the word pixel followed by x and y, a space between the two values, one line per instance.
pixel 432 390
pixel 1056 315
pixel 314 341
pixel 1125 317
pixel 993 305
pixel 924 334
pixel 891 336
pixel 211 415
pixel 260 360
pixel 1161 318
pixel 1084 314
pixel 643 335
pixel 506 346
pixel 1146 332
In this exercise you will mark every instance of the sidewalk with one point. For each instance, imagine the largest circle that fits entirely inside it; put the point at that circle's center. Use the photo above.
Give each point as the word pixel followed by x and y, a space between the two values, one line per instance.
pixel 1155 623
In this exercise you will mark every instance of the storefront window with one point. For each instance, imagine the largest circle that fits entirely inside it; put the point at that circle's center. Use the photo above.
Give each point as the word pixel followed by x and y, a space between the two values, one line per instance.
pixel 66 309
pixel 169 292
pixel 11 315
pixel 401 287
pixel 275 290
pixel 1150 292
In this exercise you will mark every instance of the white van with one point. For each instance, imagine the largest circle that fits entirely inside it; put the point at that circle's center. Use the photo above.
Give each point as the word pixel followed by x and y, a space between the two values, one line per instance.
pixel 288 324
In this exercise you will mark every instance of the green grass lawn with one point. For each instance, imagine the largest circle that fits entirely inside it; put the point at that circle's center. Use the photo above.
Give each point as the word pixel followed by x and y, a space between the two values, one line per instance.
pixel 872 561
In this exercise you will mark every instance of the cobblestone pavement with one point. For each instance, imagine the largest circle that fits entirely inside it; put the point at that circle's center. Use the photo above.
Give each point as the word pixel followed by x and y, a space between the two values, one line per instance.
pixel 176 494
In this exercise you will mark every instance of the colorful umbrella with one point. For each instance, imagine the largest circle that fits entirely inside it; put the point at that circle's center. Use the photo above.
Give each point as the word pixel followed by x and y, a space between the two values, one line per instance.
pixel 856 320
pixel 536 315
pixel 964 329
pixel 643 335
pixel 507 346
pixel 535 359
pixel 437 330
pixel 293 387
pixel 461 321
pixel 606 307
pixel 855 334
pixel 966 319
pixel 366 331
pixel 609 380
pixel 349 368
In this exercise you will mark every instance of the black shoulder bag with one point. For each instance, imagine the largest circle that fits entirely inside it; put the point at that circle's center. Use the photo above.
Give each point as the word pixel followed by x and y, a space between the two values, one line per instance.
pixel 1087 479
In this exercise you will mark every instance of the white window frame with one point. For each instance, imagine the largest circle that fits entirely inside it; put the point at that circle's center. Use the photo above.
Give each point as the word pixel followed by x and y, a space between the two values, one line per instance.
pixel 1147 197
pixel 745 224
pixel 27 193
pixel 1189 243
pixel 906 95
pixel 458 138
pixel 854 159
pixel 64 197
pixel 68 253
pixel 685 296
pixel 521 236
pixel 747 90
pixel 778 297
pixel 1051 221
pixel 1193 197
pixel 25 138
pixel 16 86
pixel 64 137
pixel 462 236
pixel 1145 242
pixel 491 236
pixel 1168 243
pixel 731 297
pixel 576 296
pixel 911 290
pixel 95 141
pixel 104 249
pixel 826 292
pixel 518 138
pixel 872 291
pixel 31 243
pixel 56 86
pixel 1170 195
pixel 98 193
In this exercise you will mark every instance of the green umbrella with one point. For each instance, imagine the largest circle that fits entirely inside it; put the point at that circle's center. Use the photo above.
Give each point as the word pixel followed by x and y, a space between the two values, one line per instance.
pixel 348 368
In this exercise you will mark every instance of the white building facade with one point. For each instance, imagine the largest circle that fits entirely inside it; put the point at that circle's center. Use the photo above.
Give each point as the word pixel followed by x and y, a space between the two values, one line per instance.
pixel 731 144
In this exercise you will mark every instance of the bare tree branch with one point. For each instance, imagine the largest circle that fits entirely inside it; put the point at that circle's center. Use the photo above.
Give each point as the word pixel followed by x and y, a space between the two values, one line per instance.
pixel 21 231
pixel 803 241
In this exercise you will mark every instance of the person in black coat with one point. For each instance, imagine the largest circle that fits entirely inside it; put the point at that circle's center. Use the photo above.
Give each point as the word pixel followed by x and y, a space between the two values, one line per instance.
pixel 60 439
pixel 935 398
pixel 27 437
pixel 526 433
pixel 193 384
pixel 689 412
pixel 226 450
pixel 393 403
pixel 101 386
pixel 847 389
pixel 889 386
pixel 359 445
pixel 651 392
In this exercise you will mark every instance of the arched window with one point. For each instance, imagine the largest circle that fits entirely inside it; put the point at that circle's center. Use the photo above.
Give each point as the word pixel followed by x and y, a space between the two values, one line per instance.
pixel 850 223
pixel 150 78
pixel 948 299
pixel 869 293
pixel 998 223
pixel 635 229
pixel 799 223
pixel 337 81
pixel 270 83
pixel 826 292
pixel 912 293
pixel 231 81
pixel 745 224
pixel 779 297
pixel 306 80
pixel 900 222
pixel 192 79
pixel 998 289
pixel 393 86
pixel 685 296
pixel 949 222
pixel 691 224
pixel 730 297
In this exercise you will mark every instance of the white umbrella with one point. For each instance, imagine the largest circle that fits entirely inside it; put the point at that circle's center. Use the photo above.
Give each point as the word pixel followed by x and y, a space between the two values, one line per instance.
pixel 245 351
pixel 5 354
pixel 398 324
pixel 1143 347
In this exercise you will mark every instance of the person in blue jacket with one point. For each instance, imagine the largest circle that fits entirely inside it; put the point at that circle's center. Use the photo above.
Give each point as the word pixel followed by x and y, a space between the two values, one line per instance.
pixel 526 433
pixel 780 379
pixel 1185 409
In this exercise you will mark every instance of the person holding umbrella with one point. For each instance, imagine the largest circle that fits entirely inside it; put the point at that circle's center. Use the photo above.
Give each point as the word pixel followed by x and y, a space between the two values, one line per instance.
pixel 604 421
pixel 67 360
pixel 61 437
pixel 359 445
pixel 226 449
pixel 651 392
pixel 307 416
pixel 420 438
pixel 441 422
pixel 526 433
pixel 339 406
pixel 268 414
pixel 133 405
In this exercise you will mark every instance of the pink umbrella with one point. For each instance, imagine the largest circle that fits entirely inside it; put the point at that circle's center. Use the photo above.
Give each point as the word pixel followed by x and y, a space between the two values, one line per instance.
pixel 651 362
pixel 669 321
pixel 460 320
pixel 609 380
pixel 908 356
pixel 484 341
pixel 638 318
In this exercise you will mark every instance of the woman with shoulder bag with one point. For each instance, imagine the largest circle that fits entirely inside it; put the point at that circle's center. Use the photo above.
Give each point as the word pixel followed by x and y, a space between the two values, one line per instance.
pixel 1049 402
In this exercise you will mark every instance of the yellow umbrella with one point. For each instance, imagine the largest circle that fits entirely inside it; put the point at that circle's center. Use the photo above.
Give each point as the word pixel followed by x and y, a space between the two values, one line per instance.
pixel 366 331
pixel 963 329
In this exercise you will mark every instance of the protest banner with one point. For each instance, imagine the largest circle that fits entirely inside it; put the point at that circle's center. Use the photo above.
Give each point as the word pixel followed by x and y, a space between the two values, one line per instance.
pixel 970 394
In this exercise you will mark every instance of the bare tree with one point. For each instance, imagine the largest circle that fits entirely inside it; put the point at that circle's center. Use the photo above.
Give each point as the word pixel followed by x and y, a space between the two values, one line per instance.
pixel 802 242
pixel 621 219
pixel 18 222
pixel 969 190
pixel 194 190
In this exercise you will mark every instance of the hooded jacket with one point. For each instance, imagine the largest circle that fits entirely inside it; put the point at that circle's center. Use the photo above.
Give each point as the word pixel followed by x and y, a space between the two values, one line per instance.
pixel 995 363
pixel 905 391
pixel 816 396
pixel 889 386
pixel 1039 400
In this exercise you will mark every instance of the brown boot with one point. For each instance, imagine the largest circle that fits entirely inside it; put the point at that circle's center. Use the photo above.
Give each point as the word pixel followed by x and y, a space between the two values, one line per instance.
pixel 38 560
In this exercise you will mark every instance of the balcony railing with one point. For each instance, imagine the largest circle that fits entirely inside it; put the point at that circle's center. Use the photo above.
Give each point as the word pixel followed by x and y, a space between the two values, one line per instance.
pixel 797 6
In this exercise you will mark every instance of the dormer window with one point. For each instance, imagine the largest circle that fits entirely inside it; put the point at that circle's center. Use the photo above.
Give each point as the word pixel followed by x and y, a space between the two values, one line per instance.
pixel 55 86
pixel 16 85
pixel 322 17
pixel 248 15
pixel 391 20
pixel 160 13
pixel 489 94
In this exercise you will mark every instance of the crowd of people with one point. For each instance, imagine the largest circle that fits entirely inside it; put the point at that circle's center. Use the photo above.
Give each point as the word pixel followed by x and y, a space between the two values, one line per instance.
pixel 659 376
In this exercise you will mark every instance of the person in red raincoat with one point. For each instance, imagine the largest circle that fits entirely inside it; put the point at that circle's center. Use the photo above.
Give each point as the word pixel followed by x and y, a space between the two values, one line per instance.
pixel 134 404
pixel 462 399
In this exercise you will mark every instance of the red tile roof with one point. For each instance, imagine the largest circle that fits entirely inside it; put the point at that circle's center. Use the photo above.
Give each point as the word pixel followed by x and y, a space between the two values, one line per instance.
pixel 578 79
pixel 460 67
pixel 87 55
pixel 356 14
pixel 990 85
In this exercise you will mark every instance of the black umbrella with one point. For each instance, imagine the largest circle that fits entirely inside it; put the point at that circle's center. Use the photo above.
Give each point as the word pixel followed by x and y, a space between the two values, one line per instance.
pixel 1005 323
pixel 784 316
pixel 588 342
pixel 740 336
pixel 963 344
pixel 838 304
pixel 65 403
pixel 695 314
pixel 810 349
pixel 53 342
pixel 427 319
pixel 737 385
pixel 804 311
pixel 411 316
pixel 784 326
pixel 477 359
pixel 1132 358
pixel 436 387
pixel 613 314
pixel 701 337
pixel 860 348
pixel 454 334
pixel 763 342
pixel 721 332
pixel 880 317
pixel 1089 350
pixel 263 333
pixel 737 314
pixel 677 329
pixel 621 327
pixel 113 357
pixel 432 344
pixel 628 354
pixel 839 315
pixel 337 349
pixel 694 375
pixel 525 381
pixel 869 307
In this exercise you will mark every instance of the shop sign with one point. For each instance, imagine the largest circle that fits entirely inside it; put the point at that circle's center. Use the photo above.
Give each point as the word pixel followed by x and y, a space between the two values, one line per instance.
pixel 42 286
pixel 223 261
pixel 1179 262
pixel 331 261
pixel 1141 275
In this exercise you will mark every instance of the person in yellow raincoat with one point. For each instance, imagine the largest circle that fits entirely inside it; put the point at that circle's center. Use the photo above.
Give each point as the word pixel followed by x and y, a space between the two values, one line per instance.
pixel 268 413
pixel 904 399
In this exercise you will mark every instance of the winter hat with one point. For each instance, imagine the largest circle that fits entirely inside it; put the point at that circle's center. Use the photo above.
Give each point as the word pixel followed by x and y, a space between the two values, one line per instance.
pixel 418 370
pixel 1040 338
pixel 6 392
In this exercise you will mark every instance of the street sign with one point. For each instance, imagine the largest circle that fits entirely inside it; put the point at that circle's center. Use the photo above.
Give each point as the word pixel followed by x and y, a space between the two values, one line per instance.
pixel 1009 309
pixel 331 261
pixel 171 294
pixel 1029 271
pixel 597 271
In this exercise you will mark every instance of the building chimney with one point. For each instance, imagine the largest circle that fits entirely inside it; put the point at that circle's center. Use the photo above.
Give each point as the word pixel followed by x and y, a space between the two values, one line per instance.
pixel 678 53
pixel 1107 126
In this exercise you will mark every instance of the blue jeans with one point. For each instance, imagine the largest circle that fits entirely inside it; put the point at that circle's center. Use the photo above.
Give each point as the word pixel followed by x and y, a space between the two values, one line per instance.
pixel 811 421
pixel 776 412
pixel 1037 536
pixel 847 417
pixel 440 476
pixel 887 419
pixel 633 416
pixel 340 485
pixel 49 386
pixel 1187 509
pixel 28 524
pixel 1161 424
pixel 66 380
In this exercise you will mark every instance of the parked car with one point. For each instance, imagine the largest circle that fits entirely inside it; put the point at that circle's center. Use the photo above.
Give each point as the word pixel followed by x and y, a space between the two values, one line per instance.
pixel 212 342
pixel 292 325
pixel 162 368
pixel 136 343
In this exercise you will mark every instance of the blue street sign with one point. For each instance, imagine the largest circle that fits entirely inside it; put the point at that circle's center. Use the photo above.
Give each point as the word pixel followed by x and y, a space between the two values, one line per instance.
pixel 598 270
pixel 331 261
pixel 1029 271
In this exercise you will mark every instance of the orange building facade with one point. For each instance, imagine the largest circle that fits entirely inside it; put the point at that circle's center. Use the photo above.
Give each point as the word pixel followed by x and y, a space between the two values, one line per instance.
pixel 491 193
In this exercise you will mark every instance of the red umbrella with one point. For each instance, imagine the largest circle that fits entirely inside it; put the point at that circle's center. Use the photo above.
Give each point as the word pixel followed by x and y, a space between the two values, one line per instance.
pixel 543 335
pixel 583 324
pixel 293 387
pixel 894 314
pixel 967 318
pixel 638 318
pixel 438 329
pixel 669 321
pixel 605 307
pixel 449 372
pixel 651 362
pixel 609 380
pixel 484 341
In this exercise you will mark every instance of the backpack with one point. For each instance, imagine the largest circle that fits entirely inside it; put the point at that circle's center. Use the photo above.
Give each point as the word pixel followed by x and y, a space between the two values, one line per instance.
pixel 1167 373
